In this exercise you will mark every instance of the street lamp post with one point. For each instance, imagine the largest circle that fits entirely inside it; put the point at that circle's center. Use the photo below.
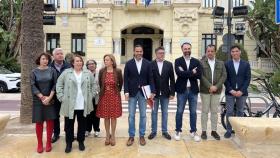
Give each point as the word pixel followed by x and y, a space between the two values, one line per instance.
pixel 237 12
pixel 229 21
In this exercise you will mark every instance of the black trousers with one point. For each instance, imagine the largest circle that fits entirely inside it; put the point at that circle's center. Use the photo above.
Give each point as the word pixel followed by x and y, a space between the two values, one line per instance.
pixel 92 120
pixel 56 127
pixel 69 127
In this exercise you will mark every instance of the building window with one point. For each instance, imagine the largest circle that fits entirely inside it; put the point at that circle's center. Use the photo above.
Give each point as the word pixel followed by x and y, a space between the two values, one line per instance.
pixel 52 42
pixel 206 40
pixel 239 39
pixel 236 3
pixel 55 2
pixel 78 3
pixel 79 44
pixel 209 3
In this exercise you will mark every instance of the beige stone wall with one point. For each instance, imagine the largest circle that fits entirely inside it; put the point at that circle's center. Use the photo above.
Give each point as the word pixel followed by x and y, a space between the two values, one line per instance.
pixel 76 24
pixel 126 19
pixel 185 28
pixel 103 24
pixel 99 33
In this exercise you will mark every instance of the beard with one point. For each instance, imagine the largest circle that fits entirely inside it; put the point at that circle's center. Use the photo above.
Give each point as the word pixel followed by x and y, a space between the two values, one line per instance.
pixel 187 53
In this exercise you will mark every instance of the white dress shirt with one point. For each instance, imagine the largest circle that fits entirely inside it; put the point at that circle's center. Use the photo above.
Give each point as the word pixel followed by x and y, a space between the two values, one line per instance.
pixel 160 65
pixel 138 64
pixel 188 61
pixel 212 66
pixel 80 98
pixel 236 65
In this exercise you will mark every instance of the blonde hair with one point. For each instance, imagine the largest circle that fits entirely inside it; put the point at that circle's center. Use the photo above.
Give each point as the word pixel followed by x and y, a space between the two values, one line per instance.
pixel 113 59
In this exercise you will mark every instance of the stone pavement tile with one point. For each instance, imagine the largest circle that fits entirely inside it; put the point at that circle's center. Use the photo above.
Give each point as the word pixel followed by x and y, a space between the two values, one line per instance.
pixel 213 149
pixel 262 151
pixel 15 146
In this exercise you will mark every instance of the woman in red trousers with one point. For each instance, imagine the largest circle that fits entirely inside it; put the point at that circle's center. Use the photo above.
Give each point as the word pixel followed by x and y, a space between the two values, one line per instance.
pixel 43 81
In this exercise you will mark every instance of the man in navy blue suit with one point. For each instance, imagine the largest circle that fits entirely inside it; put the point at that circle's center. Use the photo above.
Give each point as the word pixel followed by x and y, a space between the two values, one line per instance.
pixel 137 73
pixel 237 83
pixel 188 70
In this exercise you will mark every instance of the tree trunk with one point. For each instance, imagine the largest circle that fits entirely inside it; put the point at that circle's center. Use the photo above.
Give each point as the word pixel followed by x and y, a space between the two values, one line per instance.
pixel 32 45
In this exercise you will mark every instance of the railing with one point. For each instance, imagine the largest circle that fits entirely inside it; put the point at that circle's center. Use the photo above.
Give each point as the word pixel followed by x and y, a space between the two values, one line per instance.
pixel 266 65
pixel 141 2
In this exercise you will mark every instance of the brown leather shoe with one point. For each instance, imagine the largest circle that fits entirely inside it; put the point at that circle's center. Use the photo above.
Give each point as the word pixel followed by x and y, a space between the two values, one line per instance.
pixel 130 141
pixel 142 141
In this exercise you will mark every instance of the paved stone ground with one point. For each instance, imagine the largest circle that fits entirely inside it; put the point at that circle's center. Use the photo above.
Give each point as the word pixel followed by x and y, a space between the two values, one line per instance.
pixel 19 141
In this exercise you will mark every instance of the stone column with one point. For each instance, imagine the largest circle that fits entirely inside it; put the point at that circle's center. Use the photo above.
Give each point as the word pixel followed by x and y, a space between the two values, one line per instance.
pixel 117 50
pixel 167 47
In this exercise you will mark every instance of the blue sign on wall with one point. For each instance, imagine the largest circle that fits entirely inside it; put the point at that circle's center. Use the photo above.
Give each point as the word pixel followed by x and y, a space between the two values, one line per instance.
pixel 277 11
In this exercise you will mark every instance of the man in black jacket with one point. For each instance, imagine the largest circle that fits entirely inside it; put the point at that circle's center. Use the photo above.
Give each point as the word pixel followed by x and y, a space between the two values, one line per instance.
pixel 59 65
pixel 163 75
pixel 188 70
pixel 137 73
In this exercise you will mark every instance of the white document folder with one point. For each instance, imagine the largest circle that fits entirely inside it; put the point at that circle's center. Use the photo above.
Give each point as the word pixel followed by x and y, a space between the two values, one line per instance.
pixel 146 91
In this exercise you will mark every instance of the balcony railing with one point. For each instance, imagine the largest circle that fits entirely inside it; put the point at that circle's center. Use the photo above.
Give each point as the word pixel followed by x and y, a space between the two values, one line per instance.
pixel 263 64
pixel 141 2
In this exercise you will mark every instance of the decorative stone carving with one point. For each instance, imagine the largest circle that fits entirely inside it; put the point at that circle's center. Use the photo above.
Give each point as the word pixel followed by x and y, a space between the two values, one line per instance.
pixel 99 29
pixel 185 29
pixel 184 17
pixel 99 16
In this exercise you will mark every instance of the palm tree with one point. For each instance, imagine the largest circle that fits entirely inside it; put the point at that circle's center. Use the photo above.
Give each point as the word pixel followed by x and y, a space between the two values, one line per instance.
pixel 32 44
pixel 266 32
pixel 263 28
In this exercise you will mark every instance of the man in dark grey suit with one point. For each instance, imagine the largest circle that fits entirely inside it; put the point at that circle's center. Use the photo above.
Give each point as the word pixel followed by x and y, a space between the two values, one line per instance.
pixel 59 64
pixel 163 75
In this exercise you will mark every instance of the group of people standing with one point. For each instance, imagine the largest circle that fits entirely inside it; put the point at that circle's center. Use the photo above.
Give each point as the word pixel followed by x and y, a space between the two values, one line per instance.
pixel 67 89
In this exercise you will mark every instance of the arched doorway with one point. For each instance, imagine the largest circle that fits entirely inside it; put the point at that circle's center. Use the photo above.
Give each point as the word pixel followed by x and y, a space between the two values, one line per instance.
pixel 147 44
pixel 148 37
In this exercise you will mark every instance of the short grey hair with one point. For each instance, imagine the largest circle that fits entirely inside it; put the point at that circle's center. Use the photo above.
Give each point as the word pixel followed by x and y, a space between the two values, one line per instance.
pixel 57 49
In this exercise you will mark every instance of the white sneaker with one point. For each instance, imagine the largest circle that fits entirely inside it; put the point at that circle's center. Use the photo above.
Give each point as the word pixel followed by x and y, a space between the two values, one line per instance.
pixel 177 136
pixel 87 133
pixel 96 134
pixel 195 136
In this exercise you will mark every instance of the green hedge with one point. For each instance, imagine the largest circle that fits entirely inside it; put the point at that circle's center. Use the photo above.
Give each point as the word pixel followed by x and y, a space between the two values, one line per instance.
pixel 223 56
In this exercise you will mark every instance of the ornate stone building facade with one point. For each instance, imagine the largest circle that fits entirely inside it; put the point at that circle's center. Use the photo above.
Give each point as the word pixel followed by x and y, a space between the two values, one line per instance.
pixel 96 27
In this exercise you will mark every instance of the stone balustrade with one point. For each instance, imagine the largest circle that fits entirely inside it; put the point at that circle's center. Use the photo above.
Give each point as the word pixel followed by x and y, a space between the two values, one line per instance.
pixel 251 131
pixel 4 118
